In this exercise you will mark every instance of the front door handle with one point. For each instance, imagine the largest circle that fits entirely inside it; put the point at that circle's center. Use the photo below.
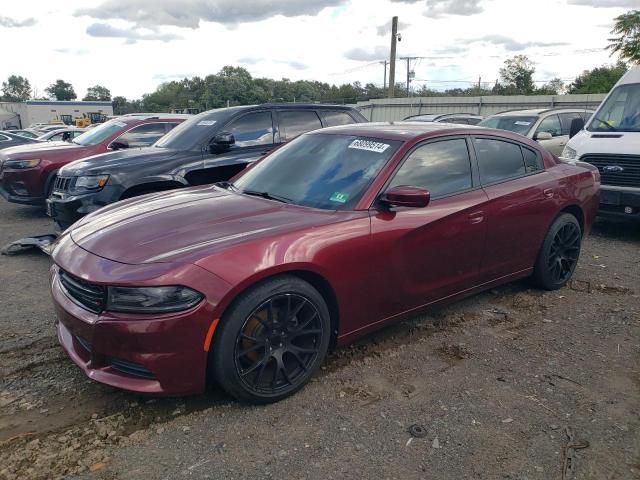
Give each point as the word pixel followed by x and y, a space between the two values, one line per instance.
pixel 548 193
pixel 476 217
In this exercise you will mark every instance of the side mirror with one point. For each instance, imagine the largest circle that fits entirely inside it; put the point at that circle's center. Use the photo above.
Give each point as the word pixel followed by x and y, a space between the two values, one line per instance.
pixel 118 144
pixel 224 139
pixel 543 136
pixel 577 124
pixel 407 196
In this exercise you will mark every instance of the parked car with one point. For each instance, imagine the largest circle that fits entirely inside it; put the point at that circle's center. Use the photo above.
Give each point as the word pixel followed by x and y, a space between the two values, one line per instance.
pixel 50 128
pixel 611 142
pixel 26 133
pixel 27 173
pixel 459 118
pixel 10 139
pixel 549 127
pixel 208 148
pixel 62 135
pixel 332 236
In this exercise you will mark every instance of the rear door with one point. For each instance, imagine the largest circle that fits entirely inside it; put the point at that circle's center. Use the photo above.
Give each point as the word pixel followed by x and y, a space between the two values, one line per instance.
pixel 520 203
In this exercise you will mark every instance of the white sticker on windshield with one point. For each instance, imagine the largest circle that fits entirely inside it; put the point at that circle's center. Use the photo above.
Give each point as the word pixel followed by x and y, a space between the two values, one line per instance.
pixel 120 124
pixel 520 122
pixel 369 146
pixel 206 123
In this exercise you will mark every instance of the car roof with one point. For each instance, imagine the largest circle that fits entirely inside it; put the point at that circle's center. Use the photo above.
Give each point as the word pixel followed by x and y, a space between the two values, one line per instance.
pixel 533 112
pixel 400 130
pixel 154 116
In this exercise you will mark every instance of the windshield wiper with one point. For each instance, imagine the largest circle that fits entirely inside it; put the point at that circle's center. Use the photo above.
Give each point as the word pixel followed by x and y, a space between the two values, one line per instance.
pixel 267 195
pixel 610 127
pixel 226 185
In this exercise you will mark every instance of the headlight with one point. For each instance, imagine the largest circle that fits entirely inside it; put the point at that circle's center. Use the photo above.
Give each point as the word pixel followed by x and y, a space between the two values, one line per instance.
pixel 20 164
pixel 89 183
pixel 151 299
pixel 569 153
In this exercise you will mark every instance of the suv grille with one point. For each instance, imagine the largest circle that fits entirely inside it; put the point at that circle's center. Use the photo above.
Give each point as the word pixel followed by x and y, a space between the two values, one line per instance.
pixel 626 175
pixel 88 295
pixel 62 184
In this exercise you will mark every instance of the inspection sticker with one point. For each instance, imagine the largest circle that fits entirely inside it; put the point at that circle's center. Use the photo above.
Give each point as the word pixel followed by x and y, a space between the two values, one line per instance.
pixel 340 197
pixel 369 146
pixel 206 123
pixel 520 122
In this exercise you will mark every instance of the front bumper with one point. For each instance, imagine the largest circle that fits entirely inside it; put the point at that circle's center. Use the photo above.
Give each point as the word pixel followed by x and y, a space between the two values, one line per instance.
pixel 68 209
pixel 21 199
pixel 619 202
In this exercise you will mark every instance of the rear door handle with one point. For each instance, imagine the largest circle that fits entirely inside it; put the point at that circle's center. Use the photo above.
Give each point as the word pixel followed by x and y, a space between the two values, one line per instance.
pixel 476 217
pixel 548 193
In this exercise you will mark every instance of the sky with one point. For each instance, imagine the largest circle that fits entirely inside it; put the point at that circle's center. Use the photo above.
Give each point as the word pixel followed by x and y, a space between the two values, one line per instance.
pixel 131 46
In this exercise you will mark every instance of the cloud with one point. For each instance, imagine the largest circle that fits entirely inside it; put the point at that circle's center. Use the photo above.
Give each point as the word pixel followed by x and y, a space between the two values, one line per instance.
pixel 452 50
pixel 72 51
pixel 367 55
pixel 385 29
pixel 605 3
pixel 132 35
pixel 439 8
pixel 512 45
pixel 189 13
pixel 11 23
pixel 296 65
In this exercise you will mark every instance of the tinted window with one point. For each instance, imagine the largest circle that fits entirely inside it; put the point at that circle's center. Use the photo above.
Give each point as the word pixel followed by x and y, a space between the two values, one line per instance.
pixel 550 124
pixel 532 161
pixel 322 171
pixel 474 121
pixel 440 167
pixel 252 129
pixel 333 119
pixel 294 123
pixel 515 124
pixel 498 160
pixel 460 121
pixel 143 135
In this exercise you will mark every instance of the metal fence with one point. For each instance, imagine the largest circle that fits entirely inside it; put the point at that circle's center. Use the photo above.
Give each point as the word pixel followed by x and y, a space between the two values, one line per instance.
pixel 389 109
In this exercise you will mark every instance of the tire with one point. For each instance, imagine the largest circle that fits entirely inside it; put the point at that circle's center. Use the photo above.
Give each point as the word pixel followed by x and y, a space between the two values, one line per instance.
pixel 271 341
pixel 559 253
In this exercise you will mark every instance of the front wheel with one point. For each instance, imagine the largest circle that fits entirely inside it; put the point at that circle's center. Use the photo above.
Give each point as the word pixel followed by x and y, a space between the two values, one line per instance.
pixel 271 340
pixel 559 254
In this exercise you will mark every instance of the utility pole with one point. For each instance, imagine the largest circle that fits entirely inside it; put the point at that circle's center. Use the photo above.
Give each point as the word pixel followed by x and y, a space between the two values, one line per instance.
pixel 384 82
pixel 410 74
pixel 392 60
pixel 479 84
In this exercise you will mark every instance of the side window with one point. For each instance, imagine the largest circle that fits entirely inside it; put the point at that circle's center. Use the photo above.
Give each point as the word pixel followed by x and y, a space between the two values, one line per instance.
pixel 333 119
pixel 565 121
pixel 532 161
pixel 4 138
pixel 498 160
pixel 474 121
pixel 441 167
pixel 459 121
pixel 294 123
pixel 170 126
pixel 56 138
pixel 252 129
pixel 550 124
pixel 143 135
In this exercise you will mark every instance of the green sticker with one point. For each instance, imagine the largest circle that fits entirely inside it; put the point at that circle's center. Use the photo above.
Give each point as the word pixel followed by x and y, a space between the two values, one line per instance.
pixel 339 197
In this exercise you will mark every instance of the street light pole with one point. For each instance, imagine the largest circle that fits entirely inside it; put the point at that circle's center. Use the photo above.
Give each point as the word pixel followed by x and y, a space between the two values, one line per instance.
pixel 392 60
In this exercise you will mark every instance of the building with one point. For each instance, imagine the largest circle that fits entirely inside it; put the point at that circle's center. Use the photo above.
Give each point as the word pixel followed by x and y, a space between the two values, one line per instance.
pixel 23 114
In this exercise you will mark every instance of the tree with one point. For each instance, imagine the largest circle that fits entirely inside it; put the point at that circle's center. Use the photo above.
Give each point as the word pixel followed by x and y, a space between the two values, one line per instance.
pixel 517 75
pixel 16 89
pixel 97 93
pixel 599 80
pixel 554 87
pixel 627 43
pixel 61 90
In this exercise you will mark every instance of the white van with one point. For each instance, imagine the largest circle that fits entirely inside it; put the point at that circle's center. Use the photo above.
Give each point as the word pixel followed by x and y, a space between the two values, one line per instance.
pixel 611 141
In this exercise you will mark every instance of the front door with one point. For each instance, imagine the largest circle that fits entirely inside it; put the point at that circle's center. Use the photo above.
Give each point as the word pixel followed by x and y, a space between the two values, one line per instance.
pixel 551 125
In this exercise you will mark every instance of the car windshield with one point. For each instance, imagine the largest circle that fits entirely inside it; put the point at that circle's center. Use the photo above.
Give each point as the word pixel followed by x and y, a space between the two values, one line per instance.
pixel 515 123
pixel 325 171
pixel 192 132
pixel 100 133
pixel 620 112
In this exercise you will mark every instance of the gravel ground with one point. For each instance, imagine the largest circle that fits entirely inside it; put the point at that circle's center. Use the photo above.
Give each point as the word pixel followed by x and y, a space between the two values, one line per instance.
pixel 493 381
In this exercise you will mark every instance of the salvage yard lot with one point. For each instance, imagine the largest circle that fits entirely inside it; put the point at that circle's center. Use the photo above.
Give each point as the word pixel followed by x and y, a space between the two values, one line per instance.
pixel 494 380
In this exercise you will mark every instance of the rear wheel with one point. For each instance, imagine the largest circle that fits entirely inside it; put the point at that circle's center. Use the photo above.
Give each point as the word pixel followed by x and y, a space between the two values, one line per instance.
pixel 271 341
pixel 559 254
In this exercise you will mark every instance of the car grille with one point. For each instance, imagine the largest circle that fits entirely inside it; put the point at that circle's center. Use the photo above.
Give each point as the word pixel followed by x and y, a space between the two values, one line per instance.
pixel 62 184
pixel 629 164
pixel 88 295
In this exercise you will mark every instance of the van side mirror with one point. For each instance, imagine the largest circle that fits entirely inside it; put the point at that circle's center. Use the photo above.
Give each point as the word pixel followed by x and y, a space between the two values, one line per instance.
pixel 543 136
pixel 577 124
pixel 406 196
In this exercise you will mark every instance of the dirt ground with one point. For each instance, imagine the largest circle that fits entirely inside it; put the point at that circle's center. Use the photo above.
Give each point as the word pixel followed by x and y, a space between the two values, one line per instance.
pixel 492 382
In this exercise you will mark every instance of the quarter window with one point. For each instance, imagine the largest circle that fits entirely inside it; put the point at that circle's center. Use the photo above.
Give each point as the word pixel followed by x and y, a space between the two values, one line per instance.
pixel 252 129
pixel 294 123
pixel 532 161
pixel 441 167
pixel 550 124
pixel 333 119
pixel 498 160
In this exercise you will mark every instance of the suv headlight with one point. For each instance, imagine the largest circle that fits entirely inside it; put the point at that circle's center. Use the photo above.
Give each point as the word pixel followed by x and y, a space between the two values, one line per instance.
pixel 89 183
pixel 21 164
pixel 151 299
pixel 568 153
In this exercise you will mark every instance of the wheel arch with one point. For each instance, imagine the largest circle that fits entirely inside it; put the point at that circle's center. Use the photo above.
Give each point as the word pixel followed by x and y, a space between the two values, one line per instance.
pixel 576 211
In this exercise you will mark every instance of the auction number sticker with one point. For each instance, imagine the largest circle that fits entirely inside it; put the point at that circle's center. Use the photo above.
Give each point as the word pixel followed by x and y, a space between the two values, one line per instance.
pixel 206 123
pixel 340 197
pixel 520 122
pixel 369 145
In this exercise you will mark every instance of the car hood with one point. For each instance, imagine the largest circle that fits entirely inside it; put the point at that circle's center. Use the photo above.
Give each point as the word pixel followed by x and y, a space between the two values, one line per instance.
pixel 40 148
pixel 114 161
pixel 185 225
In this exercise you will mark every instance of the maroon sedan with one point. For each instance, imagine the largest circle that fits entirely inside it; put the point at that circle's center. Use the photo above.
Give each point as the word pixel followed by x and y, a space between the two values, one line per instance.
pixel 342 231
pixel 27 172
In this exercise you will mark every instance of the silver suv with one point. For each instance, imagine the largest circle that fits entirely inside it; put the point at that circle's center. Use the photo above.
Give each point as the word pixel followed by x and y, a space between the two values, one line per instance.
pixel 549 127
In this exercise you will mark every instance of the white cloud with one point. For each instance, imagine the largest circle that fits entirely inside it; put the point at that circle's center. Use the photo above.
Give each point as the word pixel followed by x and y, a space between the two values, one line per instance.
pixel 367 54
pixel 131 35
pixel 9 22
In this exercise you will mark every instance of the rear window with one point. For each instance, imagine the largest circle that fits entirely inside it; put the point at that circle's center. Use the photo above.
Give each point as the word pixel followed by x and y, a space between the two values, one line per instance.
pixel 334 119
pixel 516 123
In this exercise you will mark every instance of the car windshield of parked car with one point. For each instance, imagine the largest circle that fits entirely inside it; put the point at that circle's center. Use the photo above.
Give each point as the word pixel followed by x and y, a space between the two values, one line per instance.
pixel 192 132
pixel 620 112
pixel 325 171
pixel 515 123
pixel 99 134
